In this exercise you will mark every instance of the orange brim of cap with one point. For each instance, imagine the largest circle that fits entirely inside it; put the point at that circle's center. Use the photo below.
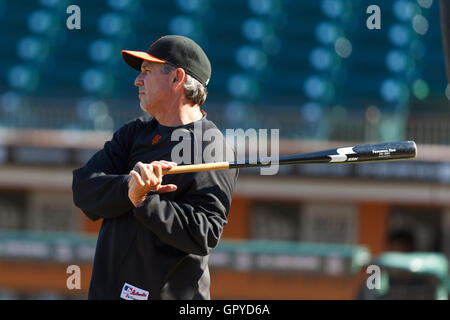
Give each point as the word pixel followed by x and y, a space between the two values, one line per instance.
pixel 134 58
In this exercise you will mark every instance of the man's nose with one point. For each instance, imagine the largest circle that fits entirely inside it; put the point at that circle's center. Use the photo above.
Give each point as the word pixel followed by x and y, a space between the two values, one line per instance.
pixel 138 82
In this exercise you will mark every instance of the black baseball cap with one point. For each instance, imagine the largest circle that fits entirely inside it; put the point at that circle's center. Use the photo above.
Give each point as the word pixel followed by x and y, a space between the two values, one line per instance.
pixel 179 51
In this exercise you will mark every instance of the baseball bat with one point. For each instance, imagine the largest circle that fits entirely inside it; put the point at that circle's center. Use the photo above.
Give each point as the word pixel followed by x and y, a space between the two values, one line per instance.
pixel 388 151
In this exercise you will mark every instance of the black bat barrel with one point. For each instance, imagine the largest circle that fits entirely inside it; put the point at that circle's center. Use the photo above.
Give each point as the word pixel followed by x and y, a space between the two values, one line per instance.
pixel 363 153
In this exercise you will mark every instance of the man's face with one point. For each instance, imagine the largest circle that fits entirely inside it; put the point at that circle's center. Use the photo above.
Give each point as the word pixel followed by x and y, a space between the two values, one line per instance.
pixel 154 87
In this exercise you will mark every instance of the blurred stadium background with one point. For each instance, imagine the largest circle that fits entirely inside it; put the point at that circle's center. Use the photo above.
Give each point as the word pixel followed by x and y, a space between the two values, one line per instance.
pixel 310 68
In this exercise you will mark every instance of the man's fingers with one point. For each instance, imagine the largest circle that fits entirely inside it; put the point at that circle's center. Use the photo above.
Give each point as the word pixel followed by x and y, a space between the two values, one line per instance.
pixel 166 188
pixel 137 178
pixel 165 165
pixel 145 171
pixel 151 174
pixel 169 164
pixel 156 178
pixel 157 169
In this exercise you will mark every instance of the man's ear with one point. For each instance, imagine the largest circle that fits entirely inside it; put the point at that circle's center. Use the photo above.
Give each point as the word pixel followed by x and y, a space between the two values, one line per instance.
pixel 179 76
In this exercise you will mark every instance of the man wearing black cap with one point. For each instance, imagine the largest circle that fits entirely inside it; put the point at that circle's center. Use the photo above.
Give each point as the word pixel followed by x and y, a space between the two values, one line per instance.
pixel 157 231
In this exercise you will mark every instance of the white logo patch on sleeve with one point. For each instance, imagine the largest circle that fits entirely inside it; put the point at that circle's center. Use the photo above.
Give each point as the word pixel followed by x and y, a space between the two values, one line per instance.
pixel 130 292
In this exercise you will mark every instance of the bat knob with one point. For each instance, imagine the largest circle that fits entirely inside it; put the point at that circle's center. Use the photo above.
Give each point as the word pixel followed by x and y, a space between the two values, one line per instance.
pixel 136 168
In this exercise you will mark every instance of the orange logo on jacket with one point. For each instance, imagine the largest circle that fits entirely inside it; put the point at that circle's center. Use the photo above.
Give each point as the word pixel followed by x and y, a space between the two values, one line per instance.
pixel 156 139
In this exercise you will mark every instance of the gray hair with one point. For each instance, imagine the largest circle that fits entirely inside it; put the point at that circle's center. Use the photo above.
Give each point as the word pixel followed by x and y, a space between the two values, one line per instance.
pixel 194 90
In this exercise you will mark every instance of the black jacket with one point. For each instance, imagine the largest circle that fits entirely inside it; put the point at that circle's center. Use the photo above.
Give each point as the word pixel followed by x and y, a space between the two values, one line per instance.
pixel 163 245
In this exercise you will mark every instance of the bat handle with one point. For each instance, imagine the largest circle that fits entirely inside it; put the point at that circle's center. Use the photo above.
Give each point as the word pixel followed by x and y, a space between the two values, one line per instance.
pixel 197 167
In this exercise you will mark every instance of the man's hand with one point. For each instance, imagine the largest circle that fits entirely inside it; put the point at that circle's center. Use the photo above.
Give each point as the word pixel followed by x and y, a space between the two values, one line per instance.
pixel 149 178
